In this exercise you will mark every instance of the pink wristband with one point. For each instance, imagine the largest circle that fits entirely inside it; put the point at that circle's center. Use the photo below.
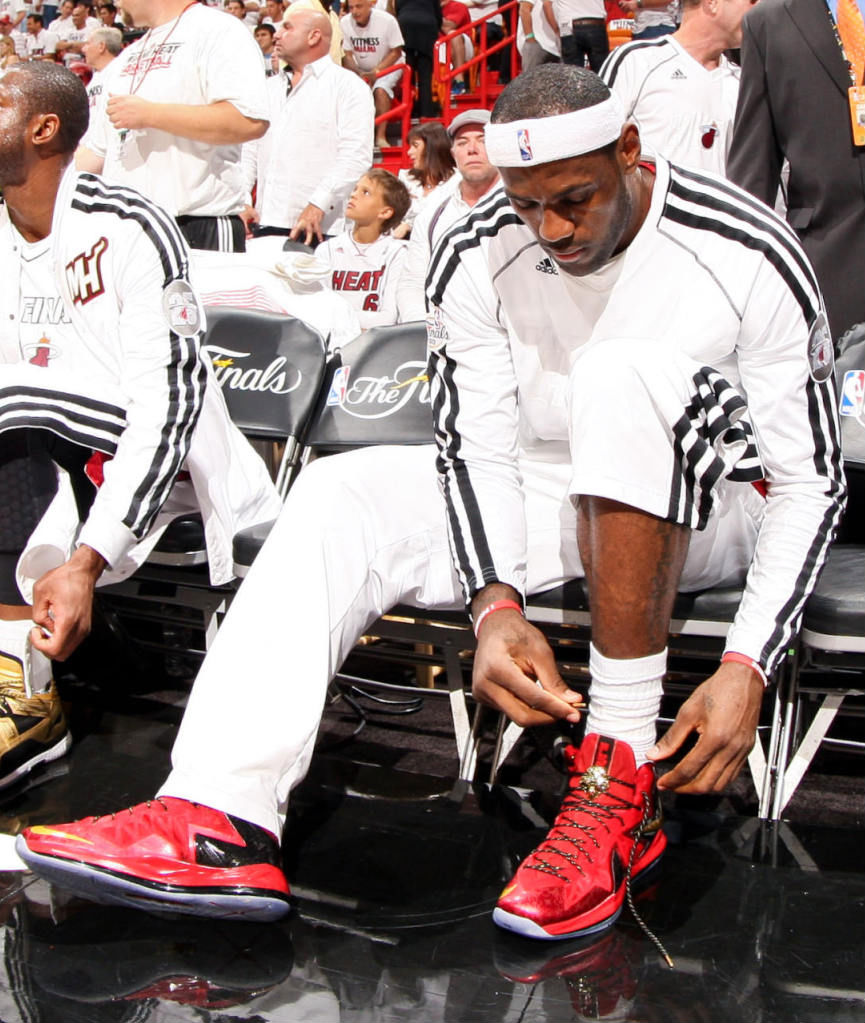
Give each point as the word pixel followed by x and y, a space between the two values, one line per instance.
pixel 497 605
pixel 731 655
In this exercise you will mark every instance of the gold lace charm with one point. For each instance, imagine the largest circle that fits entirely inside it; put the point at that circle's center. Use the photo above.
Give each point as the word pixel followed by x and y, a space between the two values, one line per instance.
pixel 595 781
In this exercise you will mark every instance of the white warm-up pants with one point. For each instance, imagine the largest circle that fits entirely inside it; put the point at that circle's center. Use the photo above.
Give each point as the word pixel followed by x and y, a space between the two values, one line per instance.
pixel 359 533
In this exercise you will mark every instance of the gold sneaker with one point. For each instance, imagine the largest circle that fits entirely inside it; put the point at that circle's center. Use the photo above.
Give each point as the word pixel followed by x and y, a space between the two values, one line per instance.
pixel 32 728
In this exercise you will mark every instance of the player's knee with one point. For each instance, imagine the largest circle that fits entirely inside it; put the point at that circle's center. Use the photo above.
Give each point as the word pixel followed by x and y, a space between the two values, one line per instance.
pixel 611 380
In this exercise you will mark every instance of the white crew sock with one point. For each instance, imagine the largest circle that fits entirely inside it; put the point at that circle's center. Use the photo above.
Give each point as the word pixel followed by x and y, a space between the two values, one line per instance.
pixel 625 697
pixel 15 646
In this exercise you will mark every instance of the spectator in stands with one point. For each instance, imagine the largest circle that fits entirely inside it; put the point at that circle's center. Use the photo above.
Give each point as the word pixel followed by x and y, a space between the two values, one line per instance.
pixel 681 91
pixel 793 105
pixel 579 432
pixel 72 35
pixel 101 327
pixel 183 153
pixel 494 30
pixel 64 17
pixel 102 46
pixel 14 10
pixel 366 261
pixel 39 43
pixel 8 54
pixel 336 51
pixel 265 36
pixel 107 14
pixel 420 22
pixel 274 12
pixel 18 40
pixel 432 167
pixel 320 136
pixel 583 30
pixel 372 41
pixel 538 34
pixel 476 177
pixel 237 8
pixel 455 15
pixel 652 18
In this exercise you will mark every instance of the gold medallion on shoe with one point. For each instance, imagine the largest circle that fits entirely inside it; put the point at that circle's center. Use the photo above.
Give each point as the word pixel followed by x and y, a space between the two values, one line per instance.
pixel 595 781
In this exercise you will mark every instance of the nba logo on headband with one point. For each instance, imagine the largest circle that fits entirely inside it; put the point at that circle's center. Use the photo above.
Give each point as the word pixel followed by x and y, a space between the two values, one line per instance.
pixel 523 143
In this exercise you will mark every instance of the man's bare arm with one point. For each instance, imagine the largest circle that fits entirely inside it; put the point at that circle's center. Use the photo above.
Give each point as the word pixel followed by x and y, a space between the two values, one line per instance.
pixel 217 124
pixel 88 161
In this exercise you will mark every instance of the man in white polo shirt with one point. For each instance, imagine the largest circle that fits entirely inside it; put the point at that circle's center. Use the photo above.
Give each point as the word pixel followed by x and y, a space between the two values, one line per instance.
pixel 372 41
pixel 39 43
pixel 183 98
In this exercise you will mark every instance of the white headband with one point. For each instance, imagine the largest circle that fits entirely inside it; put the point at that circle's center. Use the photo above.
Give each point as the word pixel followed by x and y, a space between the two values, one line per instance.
pixel 525 143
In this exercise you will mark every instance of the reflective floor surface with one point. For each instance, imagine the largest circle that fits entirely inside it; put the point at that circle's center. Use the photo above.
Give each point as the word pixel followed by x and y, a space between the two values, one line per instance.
pixel 395 872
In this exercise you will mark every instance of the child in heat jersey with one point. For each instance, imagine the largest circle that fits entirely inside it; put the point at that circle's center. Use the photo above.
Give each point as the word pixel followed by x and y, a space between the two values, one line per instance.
pixel 366 260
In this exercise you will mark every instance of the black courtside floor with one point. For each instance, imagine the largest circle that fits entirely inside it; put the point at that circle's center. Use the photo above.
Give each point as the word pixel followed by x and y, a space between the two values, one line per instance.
pixel 396 868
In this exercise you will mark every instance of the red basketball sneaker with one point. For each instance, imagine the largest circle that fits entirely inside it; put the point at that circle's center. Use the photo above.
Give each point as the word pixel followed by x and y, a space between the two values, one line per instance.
pixel 165 855
pixel 610 820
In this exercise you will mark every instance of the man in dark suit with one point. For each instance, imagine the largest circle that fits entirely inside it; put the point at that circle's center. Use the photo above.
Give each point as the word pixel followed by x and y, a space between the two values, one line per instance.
pixel 793 103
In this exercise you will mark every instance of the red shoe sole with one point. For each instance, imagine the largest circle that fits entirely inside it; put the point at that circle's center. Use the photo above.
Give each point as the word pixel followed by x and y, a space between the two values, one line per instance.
pixel 102 884
pixel 608 912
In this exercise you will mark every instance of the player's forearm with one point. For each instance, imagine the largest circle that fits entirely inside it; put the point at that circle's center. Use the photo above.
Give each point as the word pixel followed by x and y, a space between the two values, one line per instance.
pixel 791 546
pixel 525 10
pixel 477 462
pixel 218 124
pixel 490 594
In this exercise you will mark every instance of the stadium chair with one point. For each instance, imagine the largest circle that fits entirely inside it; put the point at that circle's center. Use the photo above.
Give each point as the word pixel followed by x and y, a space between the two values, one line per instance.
pixel 359 410
pixel 353 411
pixel 831 661
pixel 271 369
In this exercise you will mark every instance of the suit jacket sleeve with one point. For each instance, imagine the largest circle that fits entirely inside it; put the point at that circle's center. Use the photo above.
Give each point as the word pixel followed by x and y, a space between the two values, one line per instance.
pixel 755 157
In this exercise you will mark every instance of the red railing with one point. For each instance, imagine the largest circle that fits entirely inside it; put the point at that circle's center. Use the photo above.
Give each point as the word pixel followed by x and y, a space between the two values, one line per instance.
pixel 482 94
pixel 400 111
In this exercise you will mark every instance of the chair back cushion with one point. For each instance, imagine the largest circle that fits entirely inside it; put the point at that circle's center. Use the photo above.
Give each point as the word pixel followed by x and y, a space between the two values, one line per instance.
pixel 850 378
pixel 379 392
pixel 270 367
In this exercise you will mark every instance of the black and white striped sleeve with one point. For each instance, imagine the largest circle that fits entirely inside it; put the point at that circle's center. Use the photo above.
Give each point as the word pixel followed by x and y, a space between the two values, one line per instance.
pixel 474 396
pixel 161 373
pixel 784 357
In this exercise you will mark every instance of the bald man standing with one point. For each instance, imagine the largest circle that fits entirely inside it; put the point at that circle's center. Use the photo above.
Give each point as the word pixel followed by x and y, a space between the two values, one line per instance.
pixel 320 136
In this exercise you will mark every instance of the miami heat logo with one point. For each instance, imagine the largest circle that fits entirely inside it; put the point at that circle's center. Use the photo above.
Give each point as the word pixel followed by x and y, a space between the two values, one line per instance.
pixel 84 274
pixel 40 353
pixel 708 134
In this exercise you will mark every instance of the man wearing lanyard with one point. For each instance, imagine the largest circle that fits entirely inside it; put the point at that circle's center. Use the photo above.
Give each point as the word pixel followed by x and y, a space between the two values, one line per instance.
pixel 801 99
pixel 180 101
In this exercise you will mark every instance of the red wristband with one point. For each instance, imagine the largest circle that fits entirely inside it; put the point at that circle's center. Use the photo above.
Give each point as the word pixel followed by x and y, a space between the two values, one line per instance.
pixel 497 605
pixel 731 655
